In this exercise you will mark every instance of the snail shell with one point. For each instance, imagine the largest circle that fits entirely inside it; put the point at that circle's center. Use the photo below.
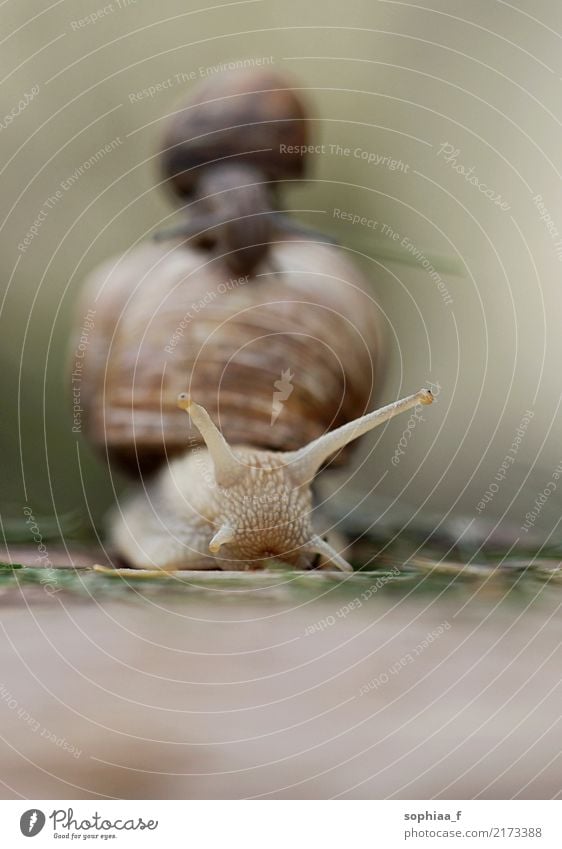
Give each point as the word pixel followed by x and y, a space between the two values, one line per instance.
pixel 246 117
pixel 224 154
pixel 169 319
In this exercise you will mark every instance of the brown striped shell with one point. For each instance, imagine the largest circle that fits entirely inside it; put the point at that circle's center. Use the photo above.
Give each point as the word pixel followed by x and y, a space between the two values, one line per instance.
pixel 277 358
pixel 247 117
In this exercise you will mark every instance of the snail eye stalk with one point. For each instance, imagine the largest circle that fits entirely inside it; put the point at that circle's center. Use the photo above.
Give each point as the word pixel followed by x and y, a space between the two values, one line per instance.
pixel 306 462
pixel 227 467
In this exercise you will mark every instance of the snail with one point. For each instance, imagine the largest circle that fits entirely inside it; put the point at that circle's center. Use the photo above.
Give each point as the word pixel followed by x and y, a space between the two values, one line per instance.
pixel 225 153
pixel 263 333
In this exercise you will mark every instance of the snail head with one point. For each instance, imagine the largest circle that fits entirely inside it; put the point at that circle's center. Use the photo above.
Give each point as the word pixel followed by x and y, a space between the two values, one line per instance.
pixel 262 500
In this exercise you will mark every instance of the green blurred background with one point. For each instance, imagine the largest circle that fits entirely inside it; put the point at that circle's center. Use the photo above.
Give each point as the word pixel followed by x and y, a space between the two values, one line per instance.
pixel 389 78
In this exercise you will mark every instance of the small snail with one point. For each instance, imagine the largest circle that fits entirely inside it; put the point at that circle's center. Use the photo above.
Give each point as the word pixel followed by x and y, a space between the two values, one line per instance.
pixel 263 333
pixel 225 153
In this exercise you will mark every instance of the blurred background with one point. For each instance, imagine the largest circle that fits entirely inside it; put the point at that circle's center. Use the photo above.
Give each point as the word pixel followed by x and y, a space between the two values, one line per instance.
pixel 297 685
pixel 464 96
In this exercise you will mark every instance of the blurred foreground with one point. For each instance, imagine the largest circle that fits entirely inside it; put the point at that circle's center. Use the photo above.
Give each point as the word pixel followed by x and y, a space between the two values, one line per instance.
pixel 391 684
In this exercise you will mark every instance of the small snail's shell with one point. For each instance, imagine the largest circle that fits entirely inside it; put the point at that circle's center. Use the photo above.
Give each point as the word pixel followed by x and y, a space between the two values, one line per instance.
pixel 242 117
pixel 170 319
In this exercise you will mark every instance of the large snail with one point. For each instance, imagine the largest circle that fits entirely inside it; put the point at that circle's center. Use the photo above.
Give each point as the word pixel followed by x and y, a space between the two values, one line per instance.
pixel 264 333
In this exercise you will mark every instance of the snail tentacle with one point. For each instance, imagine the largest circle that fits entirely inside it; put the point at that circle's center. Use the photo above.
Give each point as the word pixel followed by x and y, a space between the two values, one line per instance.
pixel 226 465
pixel 224 535
pixel 317 545
pixel 306 462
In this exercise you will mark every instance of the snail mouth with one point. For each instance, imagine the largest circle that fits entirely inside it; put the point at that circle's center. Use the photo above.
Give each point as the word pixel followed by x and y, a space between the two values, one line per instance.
pixel 293 558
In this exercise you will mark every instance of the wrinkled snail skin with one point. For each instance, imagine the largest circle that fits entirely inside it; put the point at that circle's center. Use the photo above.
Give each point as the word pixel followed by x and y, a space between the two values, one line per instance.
pixel 271 329
pixel 236 507
pixel 173 523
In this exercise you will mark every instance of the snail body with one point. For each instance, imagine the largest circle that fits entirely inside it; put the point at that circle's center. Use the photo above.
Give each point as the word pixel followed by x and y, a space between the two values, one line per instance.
pixel 264 334
pixel 236 507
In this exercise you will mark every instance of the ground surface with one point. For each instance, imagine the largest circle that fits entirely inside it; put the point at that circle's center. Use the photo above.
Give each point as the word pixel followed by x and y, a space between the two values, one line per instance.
pixel 419 684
